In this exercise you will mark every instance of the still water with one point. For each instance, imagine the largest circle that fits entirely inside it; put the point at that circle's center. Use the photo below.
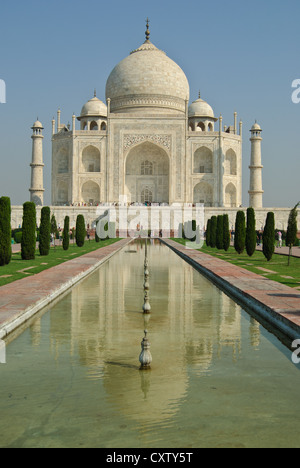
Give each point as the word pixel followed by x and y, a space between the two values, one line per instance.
pixel 218 378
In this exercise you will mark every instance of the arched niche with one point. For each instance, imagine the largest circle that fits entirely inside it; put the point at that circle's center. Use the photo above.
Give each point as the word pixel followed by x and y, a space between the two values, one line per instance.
pixel 91 159
pixel 203 161
pixel 230 196
pixel 147 168
pixel 90 193
pixel 230 165
pixel 62 161
pixel 63 192
pixel 203 193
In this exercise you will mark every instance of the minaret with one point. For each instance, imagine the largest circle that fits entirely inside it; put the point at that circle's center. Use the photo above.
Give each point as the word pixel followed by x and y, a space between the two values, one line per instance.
pixel 37 166
pixel 255 191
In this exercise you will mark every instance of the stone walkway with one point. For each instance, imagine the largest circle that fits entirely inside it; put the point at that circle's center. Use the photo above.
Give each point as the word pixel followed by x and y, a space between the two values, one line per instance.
pixel 284 250
pixel 275 302
pixel 22 299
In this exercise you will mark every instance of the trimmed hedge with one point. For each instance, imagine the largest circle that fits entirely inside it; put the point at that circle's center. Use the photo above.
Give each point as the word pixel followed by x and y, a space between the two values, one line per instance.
pixel 44 235
pixel 80 231
pixel 226 233
pixel 219 236
pixel 66 235
pixel 269 236
pixel 28 244
pixel 5 231
pixel 240 232
pixel 213 232
pixel 208 233
pixel 250 232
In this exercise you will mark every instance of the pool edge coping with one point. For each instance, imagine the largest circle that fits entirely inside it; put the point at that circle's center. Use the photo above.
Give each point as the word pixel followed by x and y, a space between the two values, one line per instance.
pixel 289 328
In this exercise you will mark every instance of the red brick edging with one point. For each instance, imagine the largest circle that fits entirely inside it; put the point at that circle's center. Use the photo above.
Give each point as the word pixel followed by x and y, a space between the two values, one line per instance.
pixel 276 303
pixel 21 299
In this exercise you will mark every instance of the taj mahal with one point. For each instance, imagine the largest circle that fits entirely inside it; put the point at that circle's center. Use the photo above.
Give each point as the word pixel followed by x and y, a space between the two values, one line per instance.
pixel 148 145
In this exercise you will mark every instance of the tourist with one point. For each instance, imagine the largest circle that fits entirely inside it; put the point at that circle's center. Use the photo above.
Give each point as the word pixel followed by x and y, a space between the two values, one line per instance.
pixel 279 243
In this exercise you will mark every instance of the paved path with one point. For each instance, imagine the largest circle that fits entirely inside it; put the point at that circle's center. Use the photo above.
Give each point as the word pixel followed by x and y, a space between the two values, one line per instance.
pixel 22 299
pixel 275 302
pixel 284 251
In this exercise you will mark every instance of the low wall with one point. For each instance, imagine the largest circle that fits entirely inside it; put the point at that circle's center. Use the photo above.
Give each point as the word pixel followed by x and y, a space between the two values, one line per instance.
pixel 162 215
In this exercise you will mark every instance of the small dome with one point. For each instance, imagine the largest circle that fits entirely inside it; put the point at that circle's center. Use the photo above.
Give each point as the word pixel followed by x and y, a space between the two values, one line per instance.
pixel 94 107
pixel 256 127
pixel 200 108
pixel 37 124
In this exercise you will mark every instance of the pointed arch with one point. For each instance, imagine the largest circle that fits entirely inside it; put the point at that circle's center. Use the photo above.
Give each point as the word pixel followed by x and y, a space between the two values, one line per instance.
pixel 203 161
pixel 91 159
pixel 147 168
pixel 63 161
pixel 90 192
pixel 203 193
pixel 230 165
pixel 230 195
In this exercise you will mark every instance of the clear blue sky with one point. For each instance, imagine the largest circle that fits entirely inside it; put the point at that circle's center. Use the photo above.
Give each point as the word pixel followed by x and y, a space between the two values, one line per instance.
pixel 243 56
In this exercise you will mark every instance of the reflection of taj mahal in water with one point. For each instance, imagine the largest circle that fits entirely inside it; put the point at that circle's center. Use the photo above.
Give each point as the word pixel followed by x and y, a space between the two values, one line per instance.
pixel 147 143
pixel 106 325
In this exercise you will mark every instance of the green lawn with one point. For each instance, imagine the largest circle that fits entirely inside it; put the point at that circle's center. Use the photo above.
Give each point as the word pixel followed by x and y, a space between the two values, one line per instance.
pixel 18 268
pixel 278 267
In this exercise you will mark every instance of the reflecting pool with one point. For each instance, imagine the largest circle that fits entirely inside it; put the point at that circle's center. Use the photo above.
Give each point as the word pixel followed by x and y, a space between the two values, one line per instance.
pixel 218 378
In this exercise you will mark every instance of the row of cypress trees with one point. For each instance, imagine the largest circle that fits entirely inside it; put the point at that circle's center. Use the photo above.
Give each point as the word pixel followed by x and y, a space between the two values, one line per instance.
pixel 29 228
pixel 245 235
pixel 217 232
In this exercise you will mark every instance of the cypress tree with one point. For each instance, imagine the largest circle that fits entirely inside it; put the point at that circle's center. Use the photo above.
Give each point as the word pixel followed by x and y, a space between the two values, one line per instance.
pixel 28 244
pixel 240 232
pixel 219 237
pixel 80 231
pixel 53 228
pixel 250 232
pixel 213 232
pixel 97 238
pixel 66 235
pixel 292 229
pixel 269 236
pixel 208 233
pixel 105 234
pixel 45 228
pixel 194 229
pixel 226 233
pixel 5 231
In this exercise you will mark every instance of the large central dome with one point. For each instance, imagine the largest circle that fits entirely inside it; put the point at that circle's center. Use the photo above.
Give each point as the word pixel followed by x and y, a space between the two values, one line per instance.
pixel 147 81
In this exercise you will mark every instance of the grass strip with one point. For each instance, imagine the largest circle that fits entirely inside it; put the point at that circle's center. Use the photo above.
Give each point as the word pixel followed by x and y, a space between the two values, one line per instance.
pixel 18 268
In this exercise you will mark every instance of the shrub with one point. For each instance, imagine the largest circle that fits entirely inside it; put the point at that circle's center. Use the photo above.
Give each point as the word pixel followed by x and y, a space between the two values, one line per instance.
pixel 240 232
pixel 251 236
pixel 269 236
pixel 66 235
pixel 194 229
pixel 213 232
pixel 208 233
pixel 80 231
pixel 44 236
pixel 219 236
pixel 28 244
pixel 5 231
pixel 97 238
pixel 18 237
pixel 54 230
pixel 105 235
pixel 291 235
pixel 226 233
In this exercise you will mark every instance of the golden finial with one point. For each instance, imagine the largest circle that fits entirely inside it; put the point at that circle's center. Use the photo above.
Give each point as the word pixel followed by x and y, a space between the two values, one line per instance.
pixel 147 31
